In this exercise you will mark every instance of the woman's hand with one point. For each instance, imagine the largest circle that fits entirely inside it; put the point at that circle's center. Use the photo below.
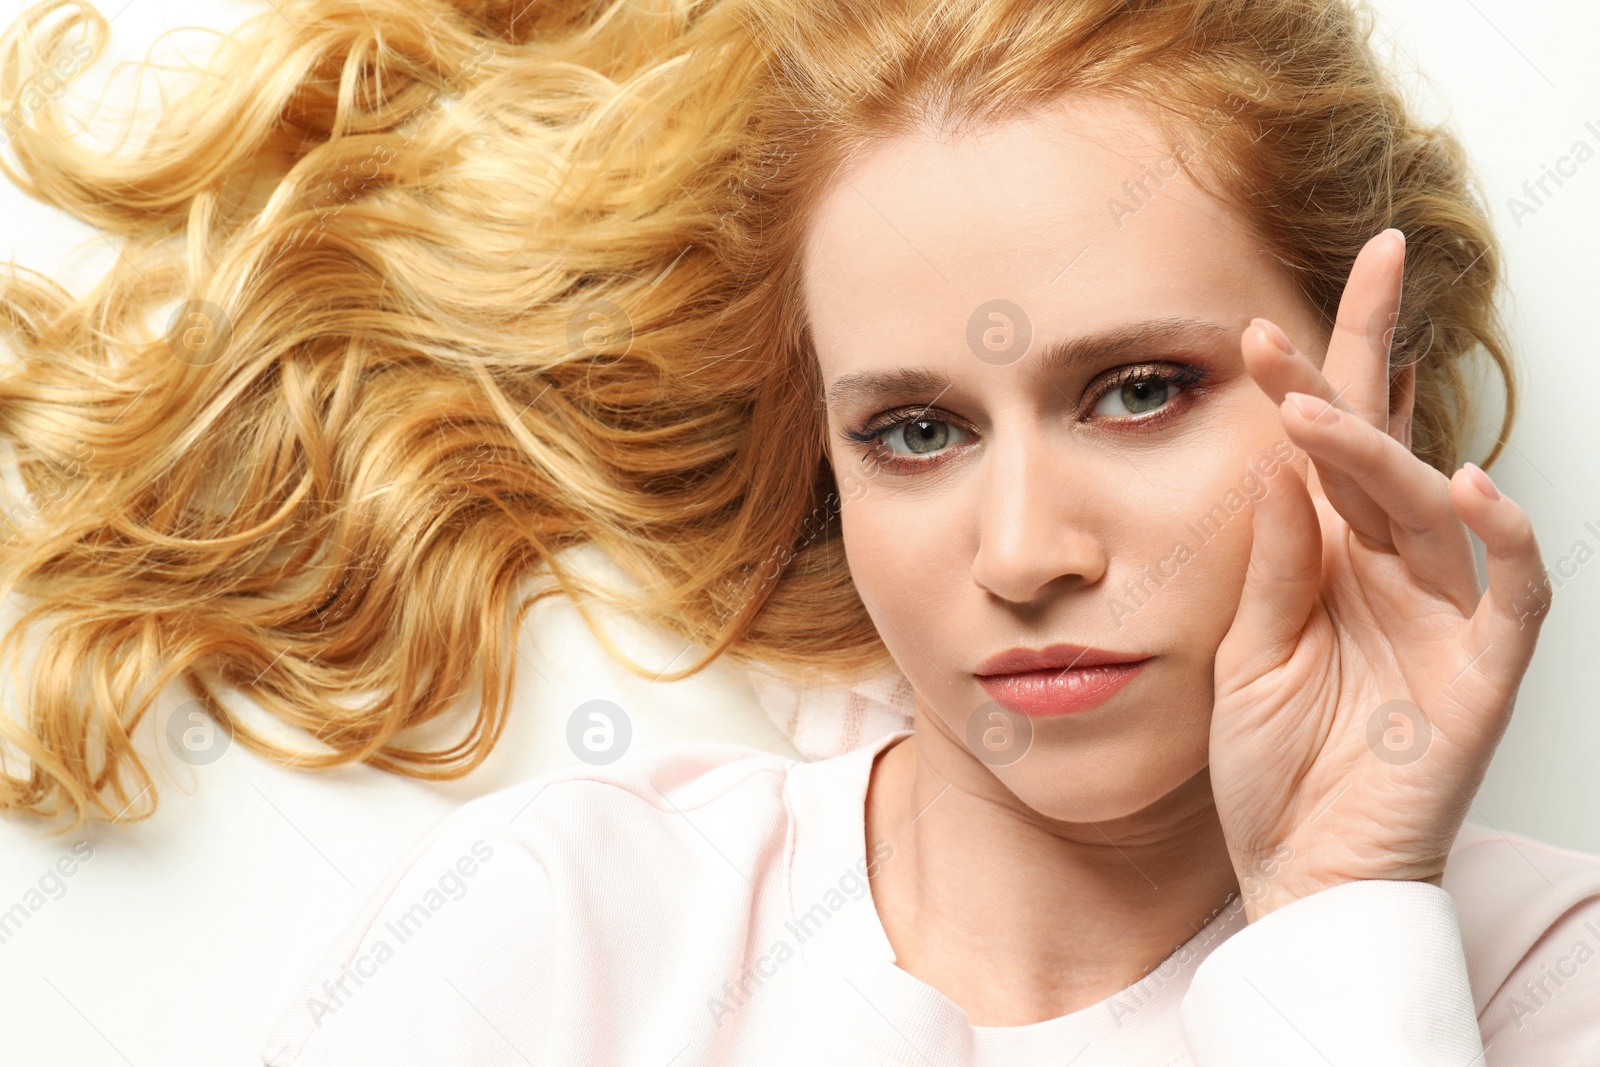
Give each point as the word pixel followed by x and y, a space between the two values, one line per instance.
pixel 1365 683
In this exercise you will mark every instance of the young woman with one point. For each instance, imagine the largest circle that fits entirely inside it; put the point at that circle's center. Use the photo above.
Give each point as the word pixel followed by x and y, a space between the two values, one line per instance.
pixel 1119 345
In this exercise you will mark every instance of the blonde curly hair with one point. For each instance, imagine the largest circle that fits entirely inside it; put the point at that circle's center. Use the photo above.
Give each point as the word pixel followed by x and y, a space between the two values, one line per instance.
pixel 412 297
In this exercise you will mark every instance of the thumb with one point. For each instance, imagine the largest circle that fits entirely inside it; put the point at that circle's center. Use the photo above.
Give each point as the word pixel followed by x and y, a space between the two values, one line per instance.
pixel 1283 577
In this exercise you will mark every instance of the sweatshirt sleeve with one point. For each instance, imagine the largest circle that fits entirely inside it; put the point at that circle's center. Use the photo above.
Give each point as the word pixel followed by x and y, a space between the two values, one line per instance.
pixel 446 964
pixel 1548 1009
pixel 1369 972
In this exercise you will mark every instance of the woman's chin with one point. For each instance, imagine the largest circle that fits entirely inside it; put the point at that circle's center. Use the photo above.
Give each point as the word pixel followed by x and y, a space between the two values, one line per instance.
pixel 1066 787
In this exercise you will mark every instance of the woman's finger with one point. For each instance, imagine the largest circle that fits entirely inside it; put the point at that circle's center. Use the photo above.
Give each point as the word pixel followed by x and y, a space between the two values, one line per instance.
pixel 1357 363
pixel 1354 375
pixel 1279 373
pixel 1420 520
pixel 1508 617
pixel 1283 577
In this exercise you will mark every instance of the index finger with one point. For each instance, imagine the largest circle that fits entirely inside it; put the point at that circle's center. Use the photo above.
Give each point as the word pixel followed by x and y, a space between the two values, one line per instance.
pixel 1357 363
pixel 1354 375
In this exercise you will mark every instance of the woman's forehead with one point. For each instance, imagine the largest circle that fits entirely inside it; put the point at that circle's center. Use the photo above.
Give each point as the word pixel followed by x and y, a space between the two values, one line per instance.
pixel 1077 217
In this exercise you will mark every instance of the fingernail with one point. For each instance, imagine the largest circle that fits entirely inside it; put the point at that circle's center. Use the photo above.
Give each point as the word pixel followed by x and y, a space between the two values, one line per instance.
pixel 1481 480
pixel 1276 335
pixel 1314 409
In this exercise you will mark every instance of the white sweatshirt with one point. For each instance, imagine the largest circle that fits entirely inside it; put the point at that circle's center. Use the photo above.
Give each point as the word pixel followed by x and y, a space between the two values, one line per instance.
pixel 703 903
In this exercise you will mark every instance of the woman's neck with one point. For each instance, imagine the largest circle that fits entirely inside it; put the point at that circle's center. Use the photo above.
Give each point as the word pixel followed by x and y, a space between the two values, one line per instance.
pixel 1017 918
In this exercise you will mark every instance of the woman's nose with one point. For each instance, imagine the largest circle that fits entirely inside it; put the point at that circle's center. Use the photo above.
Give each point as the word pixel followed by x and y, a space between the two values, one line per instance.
pixel 1039 521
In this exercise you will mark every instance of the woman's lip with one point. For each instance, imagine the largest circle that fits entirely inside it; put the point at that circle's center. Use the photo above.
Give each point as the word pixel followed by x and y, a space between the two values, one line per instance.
pixel 1059 692
pixel 1053 657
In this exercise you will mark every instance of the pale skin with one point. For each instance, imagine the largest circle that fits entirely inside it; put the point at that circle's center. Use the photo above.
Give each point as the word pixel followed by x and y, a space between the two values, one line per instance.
pixel 1240 756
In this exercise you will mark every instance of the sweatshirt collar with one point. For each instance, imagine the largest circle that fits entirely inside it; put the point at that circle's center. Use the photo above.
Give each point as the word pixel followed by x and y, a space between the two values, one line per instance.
pixel 875 1004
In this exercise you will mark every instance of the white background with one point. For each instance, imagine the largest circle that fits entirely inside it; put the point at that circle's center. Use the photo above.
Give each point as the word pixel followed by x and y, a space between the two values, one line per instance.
pixel 184 936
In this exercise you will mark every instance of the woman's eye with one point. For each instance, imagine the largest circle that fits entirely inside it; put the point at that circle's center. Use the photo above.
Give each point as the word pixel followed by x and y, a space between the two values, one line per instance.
pixel 1140 399
pixel 923 436
pixel 1139 396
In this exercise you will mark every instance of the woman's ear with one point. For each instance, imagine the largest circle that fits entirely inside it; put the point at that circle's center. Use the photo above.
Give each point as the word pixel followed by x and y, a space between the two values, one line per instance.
pixel 1402 393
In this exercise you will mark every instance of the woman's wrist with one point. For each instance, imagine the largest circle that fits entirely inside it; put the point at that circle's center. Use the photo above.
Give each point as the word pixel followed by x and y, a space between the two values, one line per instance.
pixel 1269 898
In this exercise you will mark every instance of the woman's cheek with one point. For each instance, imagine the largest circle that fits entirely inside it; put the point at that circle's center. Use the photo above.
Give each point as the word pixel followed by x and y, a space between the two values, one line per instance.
pixel 1182 564
pixel 903 567
pixel 1224 557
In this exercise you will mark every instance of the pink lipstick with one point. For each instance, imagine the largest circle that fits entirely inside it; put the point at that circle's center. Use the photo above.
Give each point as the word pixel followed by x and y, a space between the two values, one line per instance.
pixel 1057 680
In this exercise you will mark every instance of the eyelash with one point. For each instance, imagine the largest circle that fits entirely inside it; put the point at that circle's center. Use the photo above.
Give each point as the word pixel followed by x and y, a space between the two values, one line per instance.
pixel 1184 376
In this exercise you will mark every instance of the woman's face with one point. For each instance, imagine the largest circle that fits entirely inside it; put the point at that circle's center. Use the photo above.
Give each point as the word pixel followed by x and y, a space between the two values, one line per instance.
pixel 961 286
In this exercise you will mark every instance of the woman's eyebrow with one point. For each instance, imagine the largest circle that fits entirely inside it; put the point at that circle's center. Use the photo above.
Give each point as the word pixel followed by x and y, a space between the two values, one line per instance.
pixel 876 387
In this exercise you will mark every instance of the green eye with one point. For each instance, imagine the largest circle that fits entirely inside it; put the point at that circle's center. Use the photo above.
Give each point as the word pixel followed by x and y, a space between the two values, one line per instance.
pixel 1140 397
pixel 923 436
pixel 1141 390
